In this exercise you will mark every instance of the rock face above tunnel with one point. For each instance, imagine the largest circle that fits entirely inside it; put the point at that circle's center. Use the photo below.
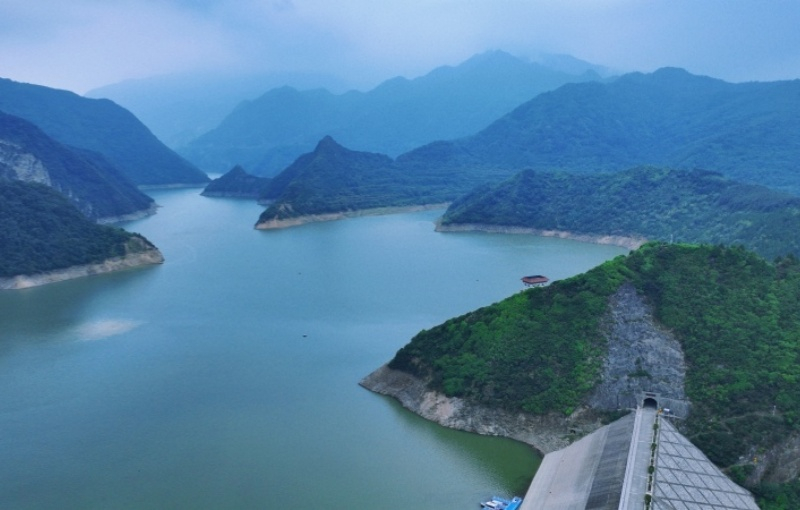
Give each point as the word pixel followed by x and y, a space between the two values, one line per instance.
pixel 642 358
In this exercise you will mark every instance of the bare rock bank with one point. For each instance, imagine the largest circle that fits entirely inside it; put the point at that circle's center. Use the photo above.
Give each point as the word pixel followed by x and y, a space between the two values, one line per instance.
pixel 132 260
pixel 630 243
pixel 545 433
pixel 275 223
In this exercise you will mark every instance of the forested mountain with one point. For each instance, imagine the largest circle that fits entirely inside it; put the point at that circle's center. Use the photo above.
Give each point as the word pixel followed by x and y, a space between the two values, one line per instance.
pixel 646 202
pixel 670 118
pixel 267 134
pixel 95 187
pixel 749 132
pixel 100 126
pixel 40 230
pixel 734 315
pixel 333 179
pixel 236 183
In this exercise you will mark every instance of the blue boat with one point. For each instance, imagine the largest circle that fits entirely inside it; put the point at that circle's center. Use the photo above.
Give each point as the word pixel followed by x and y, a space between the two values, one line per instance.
pixel 497 503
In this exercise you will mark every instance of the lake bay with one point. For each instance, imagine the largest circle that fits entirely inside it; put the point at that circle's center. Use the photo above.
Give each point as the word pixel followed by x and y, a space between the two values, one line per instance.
pixel 228 377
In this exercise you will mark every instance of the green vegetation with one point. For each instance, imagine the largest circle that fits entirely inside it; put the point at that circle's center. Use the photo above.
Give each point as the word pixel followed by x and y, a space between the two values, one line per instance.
pixel 778 496
pixel 736 316
pixel 334 179
pixel 539 350
pixel 669 118
pixel 93 185
pixel 100 126
pixel 41 231
pixel 646 202
pixel 236 183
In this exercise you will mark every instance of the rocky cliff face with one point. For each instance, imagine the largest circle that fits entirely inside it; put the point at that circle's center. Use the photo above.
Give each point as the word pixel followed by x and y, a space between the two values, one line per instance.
pixel 17 164
pixel 545 433
pixel 91 183
pixel 641 357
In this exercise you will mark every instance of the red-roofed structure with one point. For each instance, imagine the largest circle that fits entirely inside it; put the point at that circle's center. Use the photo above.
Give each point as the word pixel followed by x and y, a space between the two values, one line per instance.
pixel 536 280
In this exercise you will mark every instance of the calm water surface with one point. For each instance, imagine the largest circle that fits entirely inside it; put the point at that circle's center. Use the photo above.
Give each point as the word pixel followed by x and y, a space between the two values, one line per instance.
pixel 227 378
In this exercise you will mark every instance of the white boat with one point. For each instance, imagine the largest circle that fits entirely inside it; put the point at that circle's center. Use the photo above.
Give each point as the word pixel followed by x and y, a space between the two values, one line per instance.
pixel 502 504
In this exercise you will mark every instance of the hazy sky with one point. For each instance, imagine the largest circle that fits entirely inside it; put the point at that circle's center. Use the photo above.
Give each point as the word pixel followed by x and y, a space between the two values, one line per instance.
pixel 82 44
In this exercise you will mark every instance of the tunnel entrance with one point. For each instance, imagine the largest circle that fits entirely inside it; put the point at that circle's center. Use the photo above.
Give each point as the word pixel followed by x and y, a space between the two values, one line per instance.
pixel 650 403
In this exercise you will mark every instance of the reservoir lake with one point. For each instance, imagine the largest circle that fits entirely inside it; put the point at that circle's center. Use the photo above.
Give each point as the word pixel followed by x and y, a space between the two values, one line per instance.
pixel 227 378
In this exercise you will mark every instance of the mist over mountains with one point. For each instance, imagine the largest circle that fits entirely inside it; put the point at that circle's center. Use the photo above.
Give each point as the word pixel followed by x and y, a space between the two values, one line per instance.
pixel 670 118
pixel 101 126
pixel 268 133
pixel 181 107
pixel 748 131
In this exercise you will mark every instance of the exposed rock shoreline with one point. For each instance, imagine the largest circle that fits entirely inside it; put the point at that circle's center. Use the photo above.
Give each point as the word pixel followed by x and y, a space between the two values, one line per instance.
pixel 630 243
pixel 635 343
pixel 545 433
pixel 274 224
pixel 147 257
pixel 230 194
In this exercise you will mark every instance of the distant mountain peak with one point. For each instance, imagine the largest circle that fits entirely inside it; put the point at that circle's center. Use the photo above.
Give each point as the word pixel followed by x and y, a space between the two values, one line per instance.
pixel 328 144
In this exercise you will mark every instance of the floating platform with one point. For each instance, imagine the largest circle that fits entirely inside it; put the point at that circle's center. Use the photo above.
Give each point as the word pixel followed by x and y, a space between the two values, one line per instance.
pixel 535 280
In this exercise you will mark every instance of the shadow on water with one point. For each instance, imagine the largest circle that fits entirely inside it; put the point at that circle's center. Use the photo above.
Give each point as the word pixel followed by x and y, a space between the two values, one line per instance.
pixel 511 467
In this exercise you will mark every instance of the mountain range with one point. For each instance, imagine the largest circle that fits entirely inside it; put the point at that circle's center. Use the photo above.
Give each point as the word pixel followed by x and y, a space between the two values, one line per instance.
pixel 671 118
pixel 748 132
pixel 266 134
pixel 101 126
pixel 180 107
pixel 96 187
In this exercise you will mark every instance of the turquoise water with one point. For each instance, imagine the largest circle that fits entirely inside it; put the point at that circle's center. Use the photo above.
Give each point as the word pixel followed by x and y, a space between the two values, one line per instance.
pixel 227 377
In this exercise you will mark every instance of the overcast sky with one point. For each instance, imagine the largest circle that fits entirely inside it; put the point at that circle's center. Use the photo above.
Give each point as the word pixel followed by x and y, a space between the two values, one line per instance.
pixel 83 44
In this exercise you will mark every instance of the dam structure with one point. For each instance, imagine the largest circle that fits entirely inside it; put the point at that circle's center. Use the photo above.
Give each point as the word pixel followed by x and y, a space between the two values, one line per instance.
pixel 639 462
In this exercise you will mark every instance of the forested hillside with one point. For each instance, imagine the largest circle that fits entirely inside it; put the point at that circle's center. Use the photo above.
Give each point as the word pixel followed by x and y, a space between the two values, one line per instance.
pixel 670 118
pixel 334 179
pixel 749 132
pixel 236 183
pixel 101 126
pixel 652 203
pixel 734 314
pixel 41 231
pixel 93 185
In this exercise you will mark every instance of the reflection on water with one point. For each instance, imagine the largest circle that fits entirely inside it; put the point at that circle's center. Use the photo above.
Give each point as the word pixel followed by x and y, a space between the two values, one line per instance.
pixel 44 313
pixel 105 328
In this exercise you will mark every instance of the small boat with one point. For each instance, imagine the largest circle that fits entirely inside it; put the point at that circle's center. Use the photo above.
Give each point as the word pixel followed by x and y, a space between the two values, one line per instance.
pixel 497 503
